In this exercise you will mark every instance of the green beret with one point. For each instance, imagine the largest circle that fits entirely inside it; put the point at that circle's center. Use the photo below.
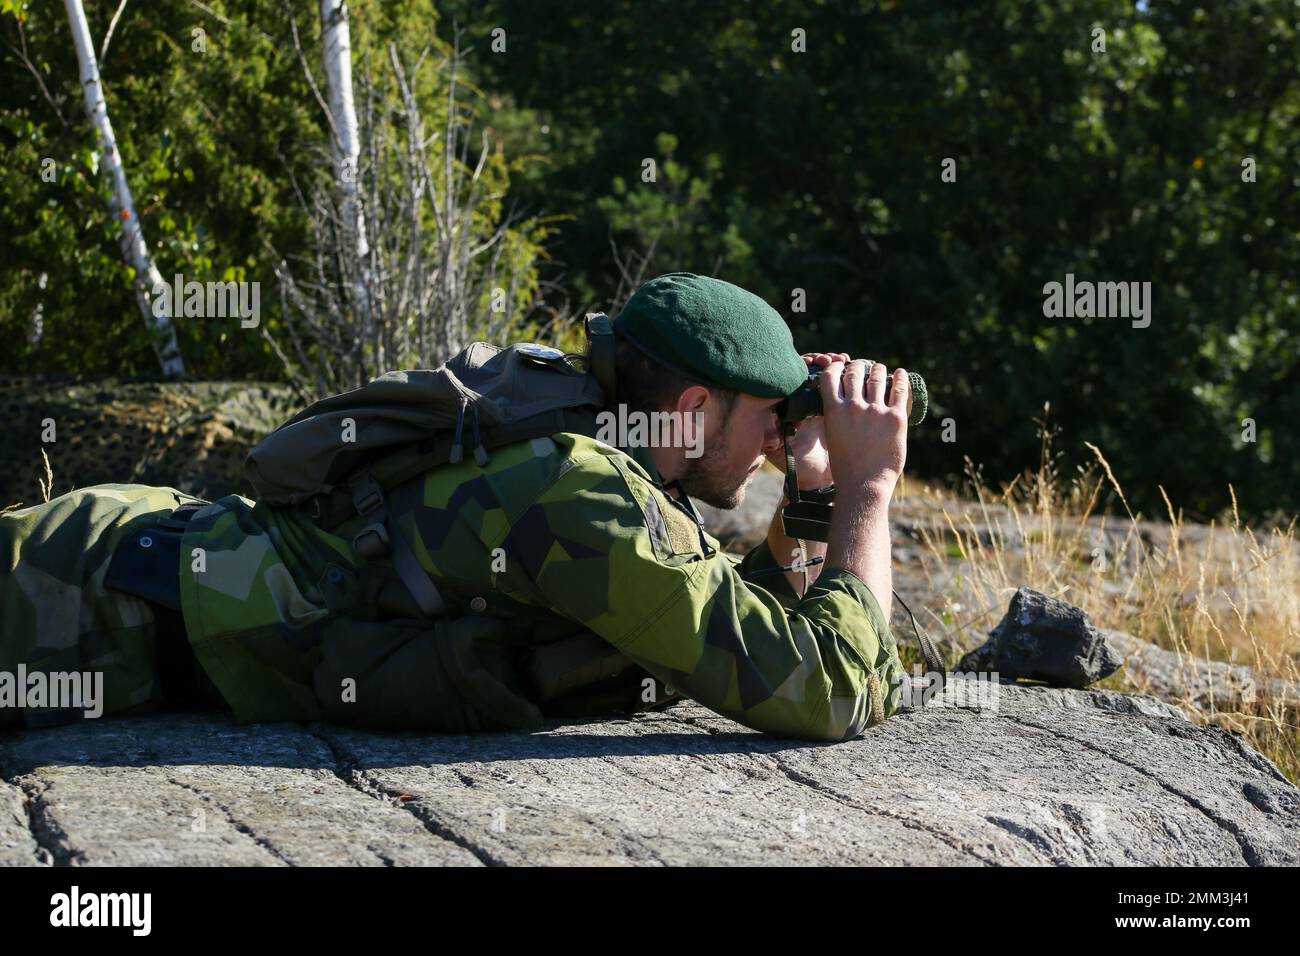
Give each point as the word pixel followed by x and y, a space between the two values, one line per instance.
pixel 714 332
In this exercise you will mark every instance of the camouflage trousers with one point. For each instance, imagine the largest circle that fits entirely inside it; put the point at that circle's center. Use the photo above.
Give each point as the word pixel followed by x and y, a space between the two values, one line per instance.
pixel 60 620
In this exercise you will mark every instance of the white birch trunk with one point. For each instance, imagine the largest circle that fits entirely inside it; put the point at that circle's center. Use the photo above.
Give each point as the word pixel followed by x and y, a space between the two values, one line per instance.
pixel 337 42
pixel 134 249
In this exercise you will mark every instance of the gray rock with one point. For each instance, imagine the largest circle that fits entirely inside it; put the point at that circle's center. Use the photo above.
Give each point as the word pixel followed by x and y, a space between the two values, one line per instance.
pixel 17 846
pixel 202 790
pixel 1033 776
pixel 1043 638
pixel 1204 685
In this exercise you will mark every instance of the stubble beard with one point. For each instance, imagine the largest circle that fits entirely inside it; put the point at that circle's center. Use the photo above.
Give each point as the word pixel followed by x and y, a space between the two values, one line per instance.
pixel 706 478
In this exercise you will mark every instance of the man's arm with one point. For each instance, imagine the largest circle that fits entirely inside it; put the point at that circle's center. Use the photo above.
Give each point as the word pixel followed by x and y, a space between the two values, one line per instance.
pixel 785 550
pixel 862 523
pixel 867 443
pixel 627 564
pixel 860 542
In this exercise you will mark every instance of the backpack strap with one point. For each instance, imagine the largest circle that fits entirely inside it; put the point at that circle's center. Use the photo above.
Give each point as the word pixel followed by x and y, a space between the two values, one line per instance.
pixel 364 494
pixel 600 339
pixel 379 538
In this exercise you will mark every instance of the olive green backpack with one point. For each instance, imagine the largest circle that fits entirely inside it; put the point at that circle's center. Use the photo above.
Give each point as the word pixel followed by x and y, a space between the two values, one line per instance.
pixel 340 456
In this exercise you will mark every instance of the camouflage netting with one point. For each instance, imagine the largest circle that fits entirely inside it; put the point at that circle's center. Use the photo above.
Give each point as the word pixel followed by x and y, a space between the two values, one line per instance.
pixel 192 436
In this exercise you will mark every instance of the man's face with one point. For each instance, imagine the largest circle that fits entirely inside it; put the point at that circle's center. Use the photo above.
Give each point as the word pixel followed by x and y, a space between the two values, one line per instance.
pixel 735 445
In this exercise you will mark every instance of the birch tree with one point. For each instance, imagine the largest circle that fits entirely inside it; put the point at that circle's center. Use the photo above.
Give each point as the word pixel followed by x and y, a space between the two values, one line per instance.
pixel 446 262
pixel 337 45
pixel 135 251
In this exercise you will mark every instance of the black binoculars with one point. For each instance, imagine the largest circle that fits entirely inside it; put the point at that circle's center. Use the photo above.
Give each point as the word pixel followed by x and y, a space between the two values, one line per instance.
pixel 807 517
pixel 806 400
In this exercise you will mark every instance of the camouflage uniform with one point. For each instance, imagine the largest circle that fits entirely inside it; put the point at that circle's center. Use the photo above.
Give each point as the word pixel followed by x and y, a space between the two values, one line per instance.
pixel 553 541
pixel 57 615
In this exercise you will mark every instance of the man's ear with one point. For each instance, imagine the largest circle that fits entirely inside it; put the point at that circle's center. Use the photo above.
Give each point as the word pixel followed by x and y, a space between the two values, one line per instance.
pixel 690 407
pixel 693 399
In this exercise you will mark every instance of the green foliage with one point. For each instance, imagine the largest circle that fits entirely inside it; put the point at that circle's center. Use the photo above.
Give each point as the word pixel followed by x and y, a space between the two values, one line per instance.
pixel 779 170
pixel 821 171
pixel 217 144
pixel 672 220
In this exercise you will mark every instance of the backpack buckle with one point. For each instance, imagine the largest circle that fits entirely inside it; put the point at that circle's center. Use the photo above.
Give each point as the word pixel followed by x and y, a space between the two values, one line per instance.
pixel 371 542
pixel 367 495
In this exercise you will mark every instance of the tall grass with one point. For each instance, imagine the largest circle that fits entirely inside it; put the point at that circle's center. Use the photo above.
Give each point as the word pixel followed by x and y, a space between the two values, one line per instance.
pixel 45 481
pixel 1217 592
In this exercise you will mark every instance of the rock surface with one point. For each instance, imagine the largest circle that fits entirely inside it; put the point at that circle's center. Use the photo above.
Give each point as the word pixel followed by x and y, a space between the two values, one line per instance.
pixel 1041 776
pixel 1205 685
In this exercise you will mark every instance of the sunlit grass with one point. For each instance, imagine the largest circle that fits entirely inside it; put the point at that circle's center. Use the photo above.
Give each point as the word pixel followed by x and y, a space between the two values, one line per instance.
pixel 1223 592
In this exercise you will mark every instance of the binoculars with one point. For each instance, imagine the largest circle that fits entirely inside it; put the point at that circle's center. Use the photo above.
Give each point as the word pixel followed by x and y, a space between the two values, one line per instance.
pixel 806 400
pixel 808 516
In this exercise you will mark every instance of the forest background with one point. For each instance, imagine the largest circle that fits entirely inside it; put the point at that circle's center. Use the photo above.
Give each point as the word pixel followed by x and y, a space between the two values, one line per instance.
pixel 798 149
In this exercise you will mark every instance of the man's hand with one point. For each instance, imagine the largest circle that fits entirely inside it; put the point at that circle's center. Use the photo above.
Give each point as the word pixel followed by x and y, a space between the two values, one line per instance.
pixel 867 442
pixel 865 438
pixel 812 459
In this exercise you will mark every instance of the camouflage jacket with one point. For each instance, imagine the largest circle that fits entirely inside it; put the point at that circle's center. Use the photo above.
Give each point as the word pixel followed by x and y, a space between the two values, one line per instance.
pixel 562 544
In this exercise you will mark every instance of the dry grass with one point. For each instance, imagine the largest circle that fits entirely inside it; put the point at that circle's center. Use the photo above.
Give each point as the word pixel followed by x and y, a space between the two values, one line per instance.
pixel 45 480
pixel 1222 592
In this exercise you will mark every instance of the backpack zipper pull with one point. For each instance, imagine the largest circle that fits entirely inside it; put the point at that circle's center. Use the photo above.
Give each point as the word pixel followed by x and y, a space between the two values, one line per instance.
pixel 457 449
pixel 480 453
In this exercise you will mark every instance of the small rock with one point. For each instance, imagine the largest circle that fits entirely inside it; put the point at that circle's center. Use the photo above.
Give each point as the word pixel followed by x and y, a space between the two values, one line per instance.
pixel 1044 638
